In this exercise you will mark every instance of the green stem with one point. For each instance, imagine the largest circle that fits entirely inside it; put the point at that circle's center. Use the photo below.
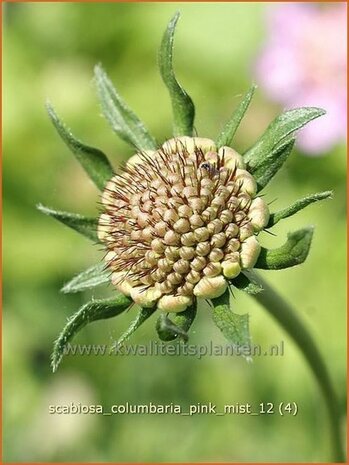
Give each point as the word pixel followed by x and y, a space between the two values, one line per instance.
pixel 289 320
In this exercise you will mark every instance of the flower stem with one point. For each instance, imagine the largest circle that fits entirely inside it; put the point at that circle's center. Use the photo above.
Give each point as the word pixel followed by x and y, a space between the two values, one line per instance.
pixel 289 320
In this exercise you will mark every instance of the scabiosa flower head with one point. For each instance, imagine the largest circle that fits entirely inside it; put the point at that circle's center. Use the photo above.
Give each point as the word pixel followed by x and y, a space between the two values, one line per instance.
pixel 179 221
pixel 304 62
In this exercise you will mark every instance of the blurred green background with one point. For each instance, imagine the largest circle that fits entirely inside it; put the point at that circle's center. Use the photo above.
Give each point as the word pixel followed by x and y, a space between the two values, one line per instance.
pixel 49 52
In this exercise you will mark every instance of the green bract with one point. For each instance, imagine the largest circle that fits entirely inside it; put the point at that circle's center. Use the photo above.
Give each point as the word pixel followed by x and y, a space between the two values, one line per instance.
pixel 220 266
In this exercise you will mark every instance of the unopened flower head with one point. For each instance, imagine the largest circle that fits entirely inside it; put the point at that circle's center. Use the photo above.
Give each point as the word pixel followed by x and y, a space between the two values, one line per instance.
pixel 179 222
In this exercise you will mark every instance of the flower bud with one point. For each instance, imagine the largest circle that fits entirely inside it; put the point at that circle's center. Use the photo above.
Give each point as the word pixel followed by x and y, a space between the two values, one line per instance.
pixel 231 269
pixel 232 159
pixel 145 297
pixel 210 288
pixel 258 214
pixel 174 304
pixel 179 222
pixel 247 182
pixel 250 250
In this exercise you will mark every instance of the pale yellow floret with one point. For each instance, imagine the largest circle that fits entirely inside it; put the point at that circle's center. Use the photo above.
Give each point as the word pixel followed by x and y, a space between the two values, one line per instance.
pixel 245 232
pixel 247 181
pixel 123 285
pixel 249 253
pixel 138 159
pixel 232 158
pixel 103 227
pixel 259 214
pixel 206 145
pixel 209 288
pixel 169 303
pixel 177 143
pixel 212 269
pixel 107 195
pixel 231 269
pixel 110 256
pixel 145 297
pixel 172 145
pixel 211 157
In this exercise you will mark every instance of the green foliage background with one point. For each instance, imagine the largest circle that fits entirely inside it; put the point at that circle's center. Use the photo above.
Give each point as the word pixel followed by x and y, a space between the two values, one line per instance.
pixel 49 52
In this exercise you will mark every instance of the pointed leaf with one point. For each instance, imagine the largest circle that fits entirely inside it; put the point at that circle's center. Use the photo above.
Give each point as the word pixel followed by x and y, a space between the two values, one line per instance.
pixel 182 105
pixel 121 118
pixel 168 331
pixel 272 163
pixel 94 162
pixel 88 279
pixel 277 132
pixel 297 206
pixel 293 252
pixel 142 316
pixel 229 130
pixel 247 284
pixel 83 225
pixel 178 326
pixel 92 311
pixel 234 327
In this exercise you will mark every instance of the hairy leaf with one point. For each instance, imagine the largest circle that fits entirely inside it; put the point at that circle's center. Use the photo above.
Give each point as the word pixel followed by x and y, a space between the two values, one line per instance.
pixel 234 327
pixel 121 118
pixel 279 131
pixel 244 282
pixel 293 252
pixel 88 279
pixel 92 311
pixel 94 162
pixel 182 105
pixel 229 130
pixel 142 316
pixel 178 325
pixel 272 163
pixel 83 225
pixel 297 206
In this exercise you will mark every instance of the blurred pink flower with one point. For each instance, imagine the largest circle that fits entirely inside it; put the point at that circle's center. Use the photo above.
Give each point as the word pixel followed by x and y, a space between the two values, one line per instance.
pixel 304 64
